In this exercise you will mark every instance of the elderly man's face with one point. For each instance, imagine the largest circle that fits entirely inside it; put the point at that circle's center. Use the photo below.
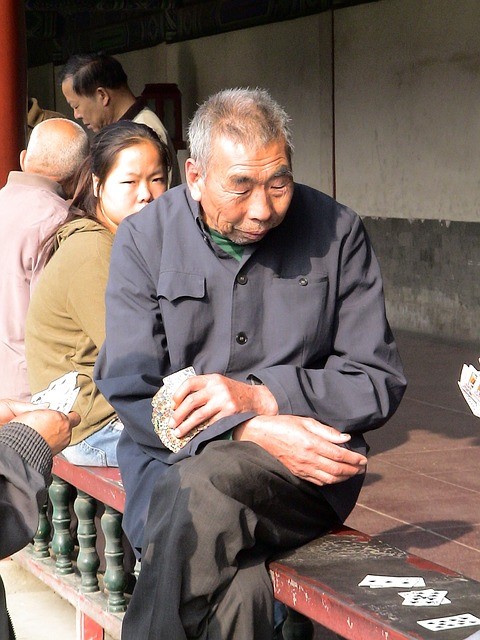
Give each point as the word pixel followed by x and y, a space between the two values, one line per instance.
pixel 245 192
pixel 91 109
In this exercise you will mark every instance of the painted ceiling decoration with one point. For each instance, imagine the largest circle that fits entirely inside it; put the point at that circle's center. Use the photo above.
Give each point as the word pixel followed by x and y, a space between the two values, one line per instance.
pixel 57 29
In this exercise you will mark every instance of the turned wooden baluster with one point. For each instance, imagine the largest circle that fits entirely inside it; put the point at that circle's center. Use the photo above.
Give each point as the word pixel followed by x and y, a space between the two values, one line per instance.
pixel 114 578
pixel 41 540
pixel 62 541
pixel 87 560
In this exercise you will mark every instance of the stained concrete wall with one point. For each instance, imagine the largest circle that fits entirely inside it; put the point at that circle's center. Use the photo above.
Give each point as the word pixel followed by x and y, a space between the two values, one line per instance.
pixel 430 271
pixel 384 101
pixel 407 108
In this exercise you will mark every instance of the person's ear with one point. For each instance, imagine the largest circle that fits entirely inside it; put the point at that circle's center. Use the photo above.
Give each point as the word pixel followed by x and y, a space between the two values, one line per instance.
pixel 22 159
pixel 194 179
pixel 103 95
pixel 95 183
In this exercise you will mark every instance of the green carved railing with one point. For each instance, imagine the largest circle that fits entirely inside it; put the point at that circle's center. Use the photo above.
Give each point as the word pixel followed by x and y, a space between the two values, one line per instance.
pixel 79 550
pixel 76 551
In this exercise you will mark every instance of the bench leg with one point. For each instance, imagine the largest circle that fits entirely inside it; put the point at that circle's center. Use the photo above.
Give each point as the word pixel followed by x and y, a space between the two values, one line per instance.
pixel 88 629
pixel 297 626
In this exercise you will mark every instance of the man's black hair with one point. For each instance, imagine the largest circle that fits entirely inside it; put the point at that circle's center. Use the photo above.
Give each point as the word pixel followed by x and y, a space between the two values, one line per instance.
pixel 92 70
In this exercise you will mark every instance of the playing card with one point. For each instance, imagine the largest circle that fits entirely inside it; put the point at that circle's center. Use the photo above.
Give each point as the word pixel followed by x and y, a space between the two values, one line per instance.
pixel 424 598
pixel 469 384
pixel 60 393
pixel 466 373
pixel 470 400
pixel 163 411
pixel 174 380
pixel 383 582
pixel 450 622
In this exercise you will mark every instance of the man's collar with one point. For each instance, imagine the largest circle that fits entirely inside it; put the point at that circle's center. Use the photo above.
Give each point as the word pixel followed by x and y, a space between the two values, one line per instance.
pixel 196 211
pixel 22 179
pixel 133 111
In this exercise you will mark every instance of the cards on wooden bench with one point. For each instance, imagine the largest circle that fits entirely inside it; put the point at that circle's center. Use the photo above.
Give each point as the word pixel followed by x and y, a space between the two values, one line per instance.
pixel 422 598
pixel 60 393
pixel 163 411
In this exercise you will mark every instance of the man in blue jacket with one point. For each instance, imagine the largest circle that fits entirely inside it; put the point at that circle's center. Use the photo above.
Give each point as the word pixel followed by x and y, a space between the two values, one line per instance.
pixel 271 291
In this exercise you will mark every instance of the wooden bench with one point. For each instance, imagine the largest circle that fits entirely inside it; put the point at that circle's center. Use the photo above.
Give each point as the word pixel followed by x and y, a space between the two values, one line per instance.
pixel 318 582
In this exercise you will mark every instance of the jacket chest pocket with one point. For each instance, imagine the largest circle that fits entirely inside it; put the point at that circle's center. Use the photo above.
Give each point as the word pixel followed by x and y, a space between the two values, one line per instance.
pixel 300 317
pixel 182 298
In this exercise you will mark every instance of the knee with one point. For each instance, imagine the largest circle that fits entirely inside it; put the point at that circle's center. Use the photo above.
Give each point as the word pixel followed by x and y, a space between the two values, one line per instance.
pixel 222 466
pixel 222 472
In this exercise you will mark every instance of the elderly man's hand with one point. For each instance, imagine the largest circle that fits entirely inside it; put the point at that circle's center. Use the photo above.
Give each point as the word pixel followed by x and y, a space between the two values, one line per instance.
pixel 309 449
pixel 55 427
pixel 208 398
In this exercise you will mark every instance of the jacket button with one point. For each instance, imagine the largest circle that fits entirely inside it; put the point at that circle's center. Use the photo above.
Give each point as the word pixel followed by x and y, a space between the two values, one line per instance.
pixel 303 282
pixel 241 338
pixel 242 279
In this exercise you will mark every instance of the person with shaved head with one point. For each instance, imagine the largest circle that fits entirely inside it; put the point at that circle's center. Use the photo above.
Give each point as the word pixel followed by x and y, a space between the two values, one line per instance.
pixel 32 204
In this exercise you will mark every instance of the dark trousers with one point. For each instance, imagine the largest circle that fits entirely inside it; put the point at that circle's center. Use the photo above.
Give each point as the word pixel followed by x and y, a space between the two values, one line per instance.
pixel 214 520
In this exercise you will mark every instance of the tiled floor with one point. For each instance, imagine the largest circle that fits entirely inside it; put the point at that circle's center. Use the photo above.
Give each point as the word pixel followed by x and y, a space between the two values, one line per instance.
pixel 422 491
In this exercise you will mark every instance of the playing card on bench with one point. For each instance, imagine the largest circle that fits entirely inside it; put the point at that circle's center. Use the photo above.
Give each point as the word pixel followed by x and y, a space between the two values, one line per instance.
pixel 163 411
pixel 60 393
pixel 383 582
pixel 450 622
pixel 424 598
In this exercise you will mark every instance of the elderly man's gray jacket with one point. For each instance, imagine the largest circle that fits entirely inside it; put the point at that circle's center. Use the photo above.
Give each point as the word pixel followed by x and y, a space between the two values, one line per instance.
pixel 302 312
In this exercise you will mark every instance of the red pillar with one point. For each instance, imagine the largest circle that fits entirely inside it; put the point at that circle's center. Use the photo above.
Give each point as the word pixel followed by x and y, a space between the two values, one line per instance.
pixel 13 82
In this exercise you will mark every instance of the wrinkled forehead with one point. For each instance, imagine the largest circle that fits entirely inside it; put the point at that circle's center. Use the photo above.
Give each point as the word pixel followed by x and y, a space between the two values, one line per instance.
pixel 246 148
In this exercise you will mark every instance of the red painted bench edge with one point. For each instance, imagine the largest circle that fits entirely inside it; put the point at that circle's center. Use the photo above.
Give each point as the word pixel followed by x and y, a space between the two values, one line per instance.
pixel 102 483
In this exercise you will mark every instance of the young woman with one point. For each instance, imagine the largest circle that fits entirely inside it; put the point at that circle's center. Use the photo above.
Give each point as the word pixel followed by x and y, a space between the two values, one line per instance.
pixel 127 168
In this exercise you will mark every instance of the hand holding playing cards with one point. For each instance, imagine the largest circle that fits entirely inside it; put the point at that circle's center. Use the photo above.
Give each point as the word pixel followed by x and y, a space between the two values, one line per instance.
pixel 309 449
pixel 54 427
pixel 207 398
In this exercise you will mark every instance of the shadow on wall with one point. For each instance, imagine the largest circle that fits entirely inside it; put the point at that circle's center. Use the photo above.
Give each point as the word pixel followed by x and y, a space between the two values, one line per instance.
pixel 188 82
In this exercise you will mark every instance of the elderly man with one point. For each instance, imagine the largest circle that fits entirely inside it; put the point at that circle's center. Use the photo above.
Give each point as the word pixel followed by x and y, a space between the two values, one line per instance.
pixel 28 443
pixel 96 87
pixel 32 204
pixel 271 291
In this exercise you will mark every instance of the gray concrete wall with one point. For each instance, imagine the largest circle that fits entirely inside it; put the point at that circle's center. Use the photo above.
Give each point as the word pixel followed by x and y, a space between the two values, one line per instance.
pixel 430 270
pixel 406 78
pixel 407 108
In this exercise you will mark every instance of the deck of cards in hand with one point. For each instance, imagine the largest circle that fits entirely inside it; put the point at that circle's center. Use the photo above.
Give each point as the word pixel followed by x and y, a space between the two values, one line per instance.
pixel 163 411
pixel 60 393
pixel 469 384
